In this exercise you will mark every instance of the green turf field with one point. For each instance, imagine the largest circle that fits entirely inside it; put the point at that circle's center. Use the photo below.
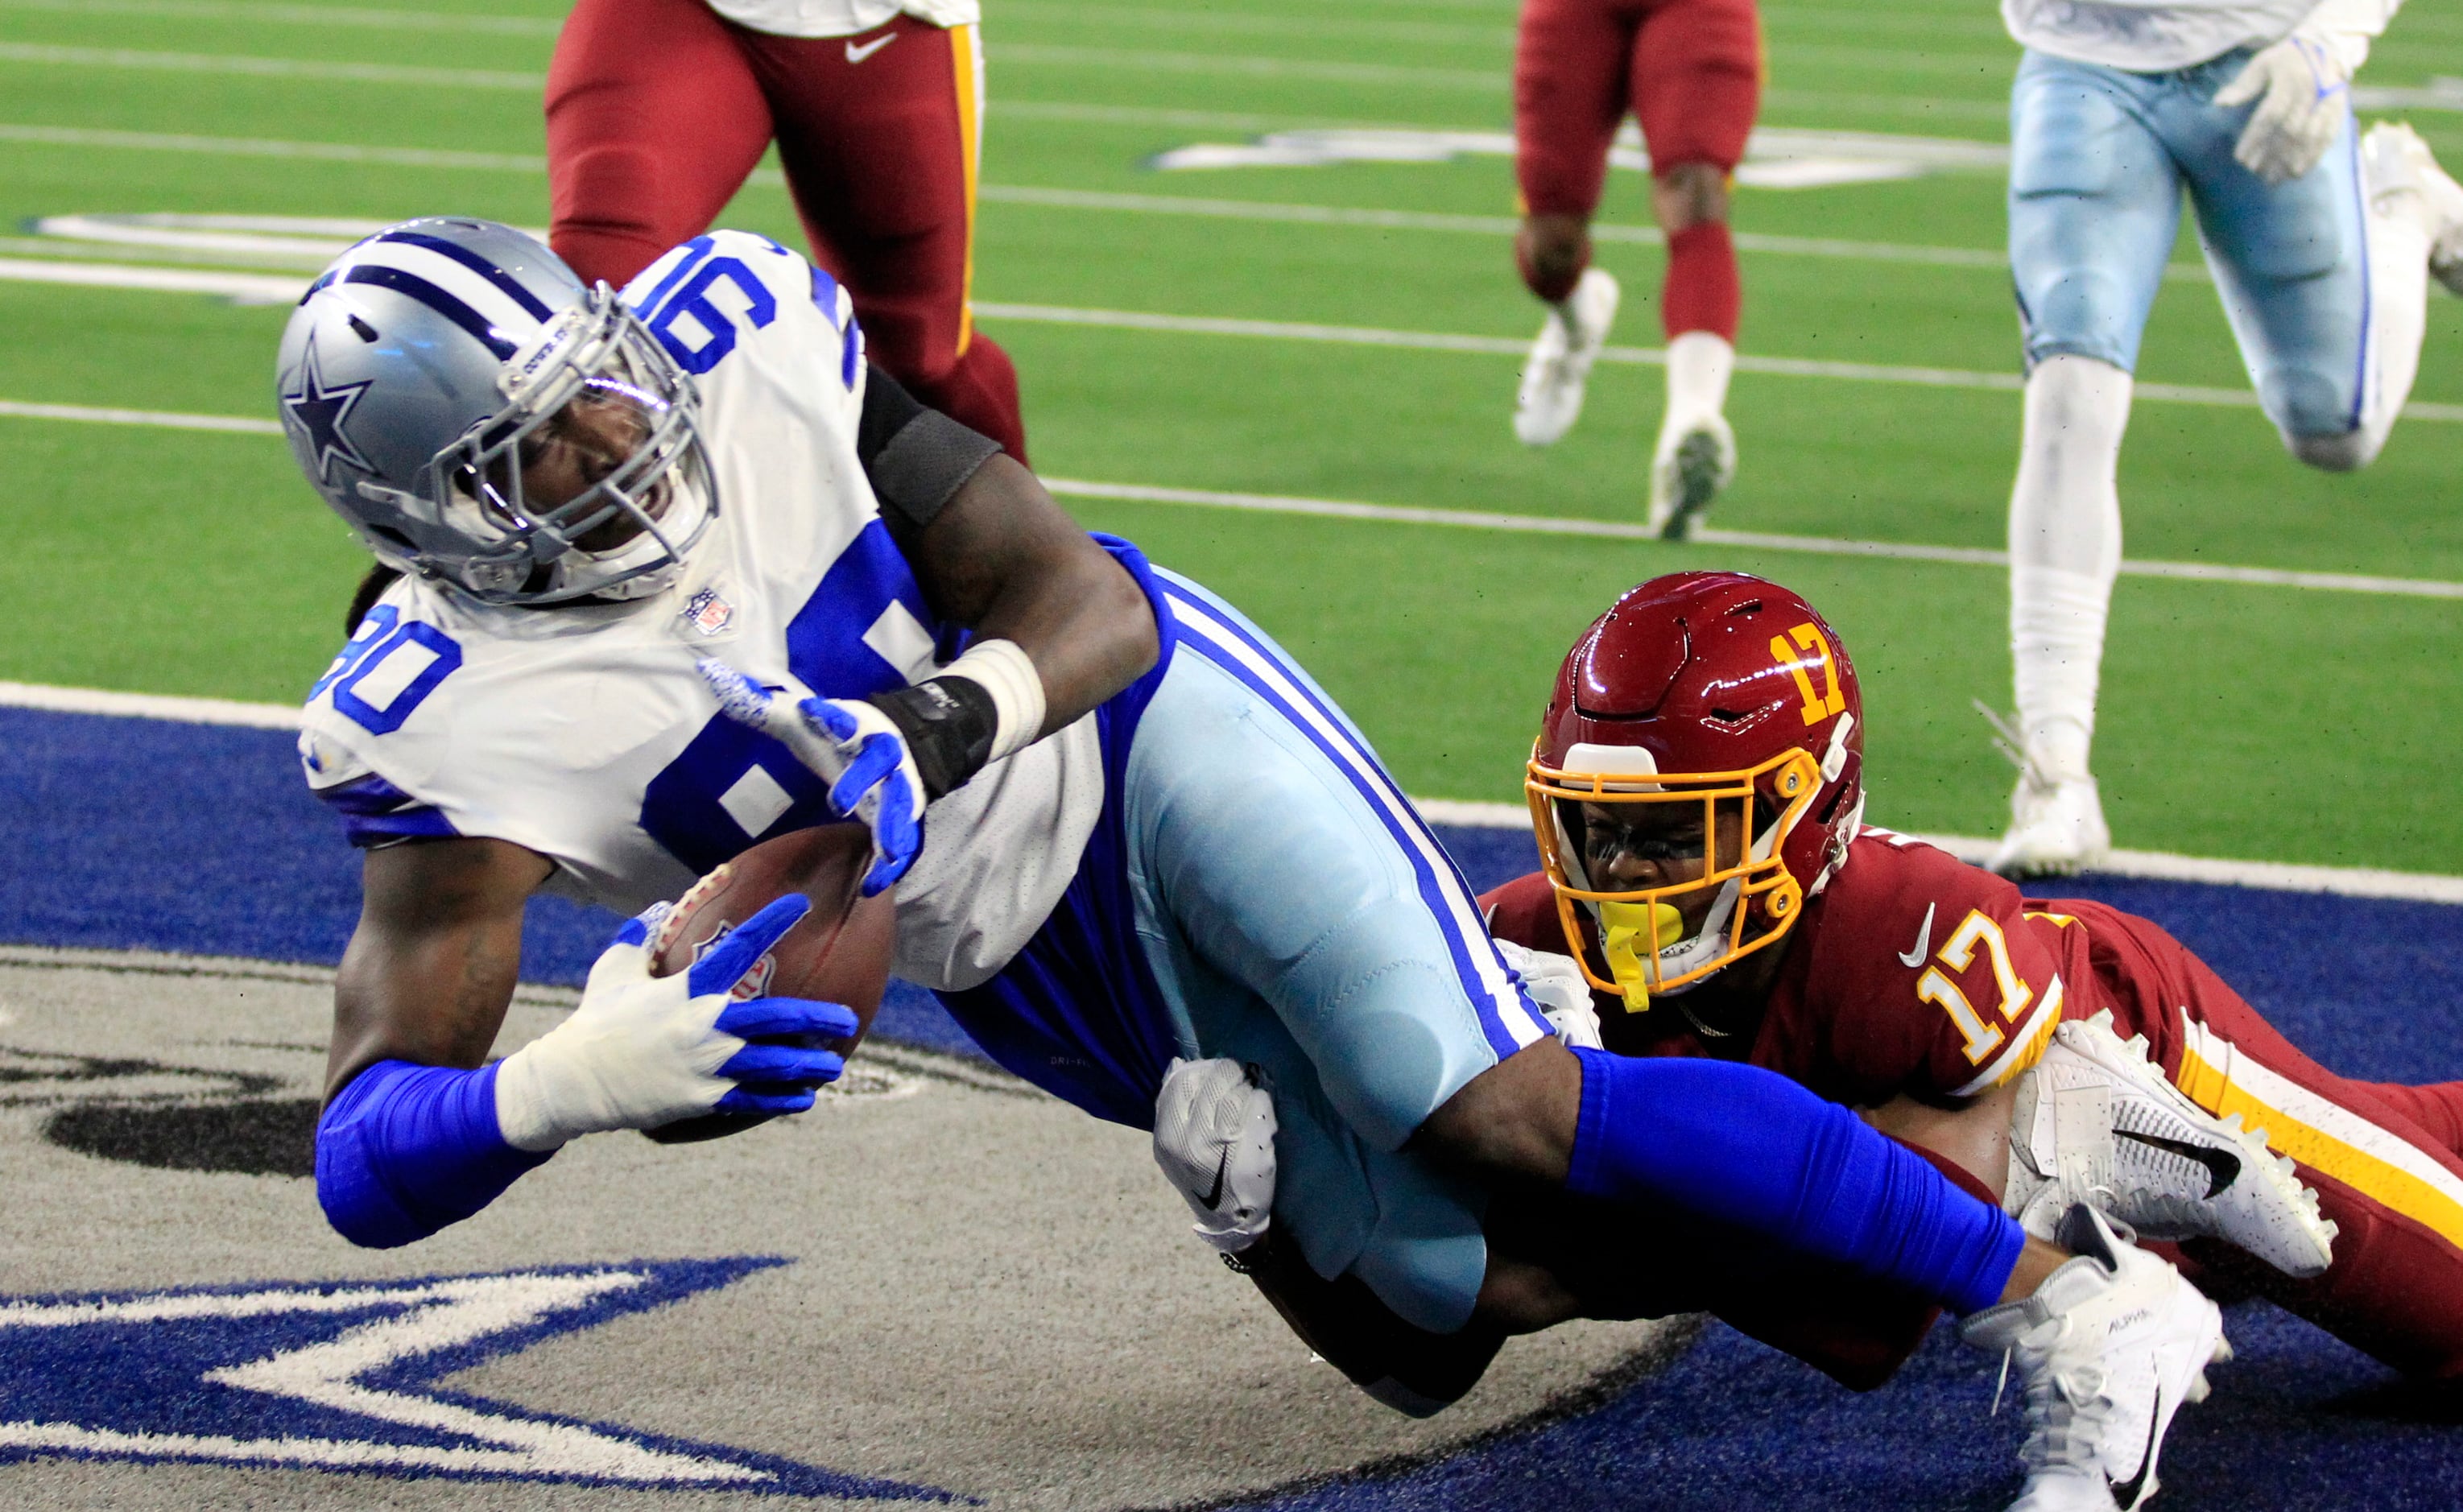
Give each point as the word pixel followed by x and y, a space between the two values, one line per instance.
pixel 2238 720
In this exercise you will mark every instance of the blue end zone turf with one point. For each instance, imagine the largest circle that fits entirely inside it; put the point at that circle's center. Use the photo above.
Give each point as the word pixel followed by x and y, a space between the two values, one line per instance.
pixel 127 832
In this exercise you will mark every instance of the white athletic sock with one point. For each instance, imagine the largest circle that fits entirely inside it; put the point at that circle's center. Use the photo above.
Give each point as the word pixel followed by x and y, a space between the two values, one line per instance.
pixel 2396 222
pixel 2065 552
pixel 1699 366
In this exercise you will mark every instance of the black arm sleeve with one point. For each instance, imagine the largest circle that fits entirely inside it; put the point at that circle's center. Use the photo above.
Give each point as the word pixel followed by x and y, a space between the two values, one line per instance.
pixel 916 458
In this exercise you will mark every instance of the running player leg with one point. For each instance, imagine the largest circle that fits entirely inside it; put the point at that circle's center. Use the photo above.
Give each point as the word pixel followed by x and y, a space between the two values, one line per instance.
pixel 2325 280
pixel 653 121
pixel 2393 1188
pixel 2094 207
pixel 1696 85
pixel 1569 92
pixel 880 137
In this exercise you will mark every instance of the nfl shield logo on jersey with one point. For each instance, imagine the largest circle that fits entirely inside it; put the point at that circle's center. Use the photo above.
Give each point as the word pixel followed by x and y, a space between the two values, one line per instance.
pixel 707 613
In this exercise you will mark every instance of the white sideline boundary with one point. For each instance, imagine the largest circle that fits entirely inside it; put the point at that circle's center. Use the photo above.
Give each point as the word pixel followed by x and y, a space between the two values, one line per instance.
pixel 2356 882
pixel 2154 865
pixel 1466 519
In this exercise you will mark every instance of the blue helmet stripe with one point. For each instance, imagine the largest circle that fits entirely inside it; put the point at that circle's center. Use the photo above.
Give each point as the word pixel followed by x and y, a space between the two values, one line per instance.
pixel 510 287
pixel 413 286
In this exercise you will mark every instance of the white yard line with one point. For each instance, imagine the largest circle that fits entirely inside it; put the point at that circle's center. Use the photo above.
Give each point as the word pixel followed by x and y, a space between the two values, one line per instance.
pixel 1636 355
pixel 1751 540
pixel 243 288
pixel 406 74
pixel 320 15
pixel 87 414
pixel 1464 519
pixel 274 288
pixel 2348 881
pixel 1986 259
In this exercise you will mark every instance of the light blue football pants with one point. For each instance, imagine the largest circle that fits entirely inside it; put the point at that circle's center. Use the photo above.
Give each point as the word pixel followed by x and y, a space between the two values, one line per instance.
pixel 1298 916
pixel 2099 162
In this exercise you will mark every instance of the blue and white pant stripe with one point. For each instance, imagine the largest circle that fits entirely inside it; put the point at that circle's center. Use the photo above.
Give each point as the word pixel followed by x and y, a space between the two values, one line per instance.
pixel 1218 633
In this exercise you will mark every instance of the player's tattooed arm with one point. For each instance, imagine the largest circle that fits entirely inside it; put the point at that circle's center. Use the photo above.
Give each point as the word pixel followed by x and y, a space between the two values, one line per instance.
pixel 433 963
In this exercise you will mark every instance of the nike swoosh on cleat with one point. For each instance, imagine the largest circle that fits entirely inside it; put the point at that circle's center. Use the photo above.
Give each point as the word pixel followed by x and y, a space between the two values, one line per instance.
pixel 857 55
pixel 2223 1167
pixel 1216 1195
pixel 1924 937
pixel 2124 1493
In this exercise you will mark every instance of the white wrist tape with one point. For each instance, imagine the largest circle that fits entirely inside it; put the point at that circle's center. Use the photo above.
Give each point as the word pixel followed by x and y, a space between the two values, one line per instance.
pixel 1002 670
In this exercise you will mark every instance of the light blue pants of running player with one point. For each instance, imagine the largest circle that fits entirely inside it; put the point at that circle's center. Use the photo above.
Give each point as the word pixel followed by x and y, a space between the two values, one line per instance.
pixel 2098 160
pixel 1299 915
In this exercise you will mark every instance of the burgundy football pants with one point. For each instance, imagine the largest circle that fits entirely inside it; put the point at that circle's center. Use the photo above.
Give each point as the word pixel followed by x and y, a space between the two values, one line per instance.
pixel 1689 71
pixel 657 110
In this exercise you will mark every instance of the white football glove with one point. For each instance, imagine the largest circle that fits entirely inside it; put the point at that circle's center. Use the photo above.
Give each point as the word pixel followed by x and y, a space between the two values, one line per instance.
pixel 643 1050
pixel 2302 86
pixel 1214 1139
pixel 1556 984
pixel 852 746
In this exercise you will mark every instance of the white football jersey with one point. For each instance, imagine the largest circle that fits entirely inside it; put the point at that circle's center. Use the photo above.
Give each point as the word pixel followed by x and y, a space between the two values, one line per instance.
pixel 840 17
pixel 583 731
pixel 2154 36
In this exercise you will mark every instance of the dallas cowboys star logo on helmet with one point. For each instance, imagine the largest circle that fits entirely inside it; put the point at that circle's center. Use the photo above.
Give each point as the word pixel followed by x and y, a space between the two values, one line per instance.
pixel 318 412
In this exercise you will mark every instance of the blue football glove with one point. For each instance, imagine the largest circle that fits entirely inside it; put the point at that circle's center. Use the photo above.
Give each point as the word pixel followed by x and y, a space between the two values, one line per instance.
pixel 852 746
pixel 642 1051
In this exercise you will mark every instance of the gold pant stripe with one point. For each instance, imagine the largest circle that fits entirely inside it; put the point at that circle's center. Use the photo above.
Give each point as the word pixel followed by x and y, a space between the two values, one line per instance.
pixel 2321 1134
pixel 966 61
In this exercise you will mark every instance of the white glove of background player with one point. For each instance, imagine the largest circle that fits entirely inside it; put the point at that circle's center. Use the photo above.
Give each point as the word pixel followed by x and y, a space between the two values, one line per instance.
pixel 1556 984
pixel 2302 86
pixel 643 1050
pixel 852 746
pixel 1214 1139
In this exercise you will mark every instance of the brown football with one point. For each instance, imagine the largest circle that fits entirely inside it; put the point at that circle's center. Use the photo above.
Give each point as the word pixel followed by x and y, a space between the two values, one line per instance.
pixel 839 953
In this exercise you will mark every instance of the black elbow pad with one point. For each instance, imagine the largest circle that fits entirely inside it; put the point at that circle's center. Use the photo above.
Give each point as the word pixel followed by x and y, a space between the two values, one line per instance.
pixel 916 458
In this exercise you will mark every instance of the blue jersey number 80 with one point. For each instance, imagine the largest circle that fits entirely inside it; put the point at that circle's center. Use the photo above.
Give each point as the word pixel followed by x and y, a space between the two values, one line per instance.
pixel 371 650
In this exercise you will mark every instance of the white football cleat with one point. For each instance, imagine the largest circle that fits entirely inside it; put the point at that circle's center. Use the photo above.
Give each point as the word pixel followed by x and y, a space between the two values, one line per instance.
pixel 1559 364
pixel 2106 1351
pixel 1694 460
pixel 2097 1122
pixel 2441 198
pixel 2056 828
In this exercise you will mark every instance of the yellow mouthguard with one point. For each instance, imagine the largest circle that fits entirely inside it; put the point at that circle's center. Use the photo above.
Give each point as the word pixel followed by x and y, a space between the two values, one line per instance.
pixel 1626 925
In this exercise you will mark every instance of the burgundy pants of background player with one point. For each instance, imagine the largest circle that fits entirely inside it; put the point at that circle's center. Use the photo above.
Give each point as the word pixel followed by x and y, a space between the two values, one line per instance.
pixel 657 110
pixel 1689 71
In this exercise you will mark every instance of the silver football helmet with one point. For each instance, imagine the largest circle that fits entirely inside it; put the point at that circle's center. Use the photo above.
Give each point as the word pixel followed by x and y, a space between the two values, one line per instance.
pixel 482 418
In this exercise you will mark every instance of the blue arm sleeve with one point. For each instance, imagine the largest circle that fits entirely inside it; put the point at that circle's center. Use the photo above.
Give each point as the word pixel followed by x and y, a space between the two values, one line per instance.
pixel 1746 1147
pixel 405 1150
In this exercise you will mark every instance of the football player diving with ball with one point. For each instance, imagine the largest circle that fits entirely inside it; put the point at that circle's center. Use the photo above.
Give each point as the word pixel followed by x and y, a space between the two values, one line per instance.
pixel 1697 791
pixel 671 572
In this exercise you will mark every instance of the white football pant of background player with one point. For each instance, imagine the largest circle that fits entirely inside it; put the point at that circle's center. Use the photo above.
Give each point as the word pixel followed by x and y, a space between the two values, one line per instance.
pixel 2331 346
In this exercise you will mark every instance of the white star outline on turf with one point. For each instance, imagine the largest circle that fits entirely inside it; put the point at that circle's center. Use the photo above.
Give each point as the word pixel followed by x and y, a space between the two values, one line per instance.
pixel 342 1376
pixel 318 412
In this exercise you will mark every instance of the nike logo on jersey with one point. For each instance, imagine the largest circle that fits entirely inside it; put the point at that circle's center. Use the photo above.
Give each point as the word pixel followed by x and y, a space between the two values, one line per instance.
pixel 2223 1167
pixel 1923 938
pixel 2124 1493
pixel 857 55
pixel 1214 1193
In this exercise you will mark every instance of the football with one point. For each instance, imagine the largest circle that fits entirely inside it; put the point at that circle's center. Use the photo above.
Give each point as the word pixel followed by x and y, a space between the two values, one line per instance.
pixel 839 953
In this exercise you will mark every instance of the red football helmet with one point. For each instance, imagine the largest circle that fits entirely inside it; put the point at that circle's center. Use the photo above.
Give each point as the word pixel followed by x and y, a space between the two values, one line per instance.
pixel 1707 689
